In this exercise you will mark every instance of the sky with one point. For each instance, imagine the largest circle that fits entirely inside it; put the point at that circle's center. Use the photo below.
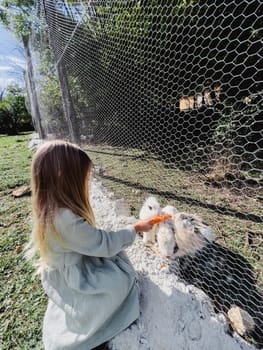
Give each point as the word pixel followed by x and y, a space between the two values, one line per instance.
pixel 12 61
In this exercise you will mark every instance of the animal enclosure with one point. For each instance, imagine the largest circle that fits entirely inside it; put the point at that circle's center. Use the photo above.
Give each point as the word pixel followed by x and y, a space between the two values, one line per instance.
pixel 166 98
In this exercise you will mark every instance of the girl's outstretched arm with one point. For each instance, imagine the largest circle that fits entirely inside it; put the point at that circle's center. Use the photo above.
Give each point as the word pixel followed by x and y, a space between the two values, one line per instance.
pixel 143 225
pixel 79 236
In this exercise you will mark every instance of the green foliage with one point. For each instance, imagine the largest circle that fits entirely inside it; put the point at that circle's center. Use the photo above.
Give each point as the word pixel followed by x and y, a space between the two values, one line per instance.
pixel 16 15
pixel 49 93
pixel 14 116
pixel 14 162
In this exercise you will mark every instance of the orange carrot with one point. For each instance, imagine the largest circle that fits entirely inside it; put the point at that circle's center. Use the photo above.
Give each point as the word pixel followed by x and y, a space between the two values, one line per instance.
pixel 158 219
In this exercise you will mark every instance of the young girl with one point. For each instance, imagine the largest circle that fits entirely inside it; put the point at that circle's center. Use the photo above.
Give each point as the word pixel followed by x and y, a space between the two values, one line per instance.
pixel 91 286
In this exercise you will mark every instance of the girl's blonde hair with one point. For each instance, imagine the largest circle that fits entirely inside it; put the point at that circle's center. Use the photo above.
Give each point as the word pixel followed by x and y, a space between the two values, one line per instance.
pixel 59 179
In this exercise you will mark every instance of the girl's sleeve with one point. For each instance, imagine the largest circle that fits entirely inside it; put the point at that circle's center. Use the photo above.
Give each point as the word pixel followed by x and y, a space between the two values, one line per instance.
pixel 79 236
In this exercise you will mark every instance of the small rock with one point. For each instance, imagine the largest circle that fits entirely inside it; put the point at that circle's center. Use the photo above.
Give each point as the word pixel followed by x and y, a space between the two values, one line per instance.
pixel 19 249
pixel 240 320
pixel 21 191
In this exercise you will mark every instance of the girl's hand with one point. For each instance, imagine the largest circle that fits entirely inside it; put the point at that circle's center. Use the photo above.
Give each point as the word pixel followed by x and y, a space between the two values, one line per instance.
pixel 143 225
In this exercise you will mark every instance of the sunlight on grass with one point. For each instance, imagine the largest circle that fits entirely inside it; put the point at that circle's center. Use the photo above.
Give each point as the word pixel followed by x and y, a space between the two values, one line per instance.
pixel 21 297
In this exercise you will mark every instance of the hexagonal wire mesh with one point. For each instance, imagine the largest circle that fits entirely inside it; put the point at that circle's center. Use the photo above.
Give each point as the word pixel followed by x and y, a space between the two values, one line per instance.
pixel 165 96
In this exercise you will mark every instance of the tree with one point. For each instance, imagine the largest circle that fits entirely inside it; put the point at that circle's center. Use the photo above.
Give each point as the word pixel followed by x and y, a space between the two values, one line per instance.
pixel 14 116
pixel 16 15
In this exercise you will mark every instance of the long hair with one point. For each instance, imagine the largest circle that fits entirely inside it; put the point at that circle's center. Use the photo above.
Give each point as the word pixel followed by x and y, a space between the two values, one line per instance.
pixel 59 179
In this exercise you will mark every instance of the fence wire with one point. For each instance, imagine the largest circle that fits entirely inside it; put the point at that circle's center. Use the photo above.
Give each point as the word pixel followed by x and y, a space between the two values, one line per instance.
pixel 166 97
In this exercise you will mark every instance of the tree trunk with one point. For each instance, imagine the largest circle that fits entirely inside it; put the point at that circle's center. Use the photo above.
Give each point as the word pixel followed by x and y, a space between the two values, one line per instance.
pixel 32 89
pixel 67 103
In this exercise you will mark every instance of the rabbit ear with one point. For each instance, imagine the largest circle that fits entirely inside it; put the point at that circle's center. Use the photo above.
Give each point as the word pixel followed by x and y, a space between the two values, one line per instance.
pixel 169 209
pixel 151 201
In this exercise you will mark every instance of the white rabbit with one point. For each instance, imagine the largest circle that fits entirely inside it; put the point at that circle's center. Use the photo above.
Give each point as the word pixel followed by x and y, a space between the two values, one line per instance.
pixel 166 233
pixel 150 208
pixel 166 239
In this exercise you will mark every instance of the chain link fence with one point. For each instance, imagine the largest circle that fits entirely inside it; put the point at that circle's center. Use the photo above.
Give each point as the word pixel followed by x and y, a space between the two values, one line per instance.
pixel 166 97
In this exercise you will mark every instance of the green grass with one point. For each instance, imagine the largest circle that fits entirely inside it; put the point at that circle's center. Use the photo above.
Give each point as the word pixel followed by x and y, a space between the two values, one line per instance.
pixel 22 301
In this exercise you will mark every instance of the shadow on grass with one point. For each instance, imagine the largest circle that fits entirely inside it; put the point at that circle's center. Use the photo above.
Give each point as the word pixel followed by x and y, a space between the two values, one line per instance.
pixel 139 156
pixel 188 200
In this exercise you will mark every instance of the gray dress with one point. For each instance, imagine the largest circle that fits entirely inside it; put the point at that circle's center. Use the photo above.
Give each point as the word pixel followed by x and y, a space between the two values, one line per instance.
pixel 91 286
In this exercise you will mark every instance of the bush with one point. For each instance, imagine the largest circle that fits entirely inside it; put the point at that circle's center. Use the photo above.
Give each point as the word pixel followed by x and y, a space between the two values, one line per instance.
pixel 14 116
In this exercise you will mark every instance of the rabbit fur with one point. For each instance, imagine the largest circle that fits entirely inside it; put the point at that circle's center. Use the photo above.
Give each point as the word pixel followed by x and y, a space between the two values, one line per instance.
pixel 150 208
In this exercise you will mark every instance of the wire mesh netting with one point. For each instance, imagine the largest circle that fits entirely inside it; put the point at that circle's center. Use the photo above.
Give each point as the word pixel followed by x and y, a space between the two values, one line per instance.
pixel 166 97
